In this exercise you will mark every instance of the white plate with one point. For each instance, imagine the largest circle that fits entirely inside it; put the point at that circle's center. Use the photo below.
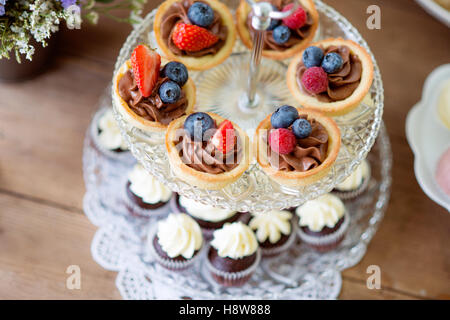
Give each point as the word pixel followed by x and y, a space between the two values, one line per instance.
pixel 436 11
pixel 427 137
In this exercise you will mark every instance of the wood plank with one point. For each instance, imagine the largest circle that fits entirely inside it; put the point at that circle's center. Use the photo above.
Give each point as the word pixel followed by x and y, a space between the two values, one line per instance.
pixel 38 243
pixel 352 289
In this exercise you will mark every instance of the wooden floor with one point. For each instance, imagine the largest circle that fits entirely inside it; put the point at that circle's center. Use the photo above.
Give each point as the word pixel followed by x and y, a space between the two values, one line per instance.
pixel 42 123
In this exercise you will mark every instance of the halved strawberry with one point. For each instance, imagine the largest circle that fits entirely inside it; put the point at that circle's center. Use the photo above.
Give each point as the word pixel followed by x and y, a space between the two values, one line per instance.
pixel 190 37
pixel 146 63
pixel 223 138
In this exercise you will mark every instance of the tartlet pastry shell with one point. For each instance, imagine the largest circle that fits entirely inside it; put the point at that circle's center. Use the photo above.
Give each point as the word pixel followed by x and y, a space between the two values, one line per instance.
pixel 200 179
pixel 296 178
pixel 131 117
pixel 241 18
pixel 198 63
pixel 335 108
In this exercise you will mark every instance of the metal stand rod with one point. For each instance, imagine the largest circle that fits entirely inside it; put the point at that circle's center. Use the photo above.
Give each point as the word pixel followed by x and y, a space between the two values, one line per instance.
pixel 258 44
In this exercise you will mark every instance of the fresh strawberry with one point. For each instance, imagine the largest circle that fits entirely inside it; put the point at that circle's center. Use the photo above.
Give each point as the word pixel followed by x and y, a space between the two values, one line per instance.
pixel 224 137
pixel 146 63
pixel 190 37
pixel 297 19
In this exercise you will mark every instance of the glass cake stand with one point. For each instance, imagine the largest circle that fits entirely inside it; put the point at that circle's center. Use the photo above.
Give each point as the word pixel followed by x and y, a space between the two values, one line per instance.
pixel 120 244
pixel 220 89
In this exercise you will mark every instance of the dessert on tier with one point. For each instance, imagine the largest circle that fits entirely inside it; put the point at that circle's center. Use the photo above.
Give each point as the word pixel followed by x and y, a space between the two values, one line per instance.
pixel 105 135
pixel 332 76
pixel 206 150
pixel 233 254
pixel 176 242
pixel 283 38
pixel 355 184
pixel 323 222
pixel 297 147
pixel 274 230
pixel 209 218
pixel 145 195
pixel 148 95
pixel 199 34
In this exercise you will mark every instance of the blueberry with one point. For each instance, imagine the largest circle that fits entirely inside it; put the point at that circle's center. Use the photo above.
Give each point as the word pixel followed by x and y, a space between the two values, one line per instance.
pixel 332 62
pixel 197 124
pixel 312 57
pixel 274 22
pixel 283 117
pixel 201 14
pixel 169 92
pixel 301 128
pixel 176 71
pixel 281 34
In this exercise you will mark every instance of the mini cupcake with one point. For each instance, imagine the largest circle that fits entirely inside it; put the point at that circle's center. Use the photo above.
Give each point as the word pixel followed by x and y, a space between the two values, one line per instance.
pixel 332 76
pixel 105 136
pixel 355 184
pixel 145 195
pixel 176 242
pixel 283 38
pixel 150 95
pixel 199 34
pixel 208 217
pixel 233 255
pixel 206 150
pixel 275 231
pixel 323 222
pixel 297 147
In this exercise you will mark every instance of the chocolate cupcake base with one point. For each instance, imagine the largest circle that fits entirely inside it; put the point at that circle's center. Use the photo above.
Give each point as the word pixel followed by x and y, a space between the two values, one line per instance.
pixel 270 250
pixel 138 208
pixel 236 272
pixel 327 239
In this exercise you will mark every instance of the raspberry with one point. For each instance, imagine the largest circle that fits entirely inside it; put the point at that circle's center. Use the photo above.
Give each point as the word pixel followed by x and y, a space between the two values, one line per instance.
pixel 295 20
pixel 282 141
pixel 315 80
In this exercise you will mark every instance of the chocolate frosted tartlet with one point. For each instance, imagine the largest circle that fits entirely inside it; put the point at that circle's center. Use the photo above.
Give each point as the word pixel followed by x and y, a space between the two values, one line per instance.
pixel 145 196
pixel 332 76
pixel 355 184
pixel 149 96
pixel 323 222
pixel 176 242
pixel 284 38
pixel 275 231
pixel 200 34
pixel 296 147
pixel 208 217
pixel 106 138
pixel 233 255
pixel 206 150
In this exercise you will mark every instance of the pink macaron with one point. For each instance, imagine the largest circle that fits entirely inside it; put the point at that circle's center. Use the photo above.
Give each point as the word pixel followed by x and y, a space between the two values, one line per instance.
pixel 443 172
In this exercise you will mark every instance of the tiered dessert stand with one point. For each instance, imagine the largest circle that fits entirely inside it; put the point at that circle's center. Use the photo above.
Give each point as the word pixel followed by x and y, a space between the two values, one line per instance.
pixel 245 98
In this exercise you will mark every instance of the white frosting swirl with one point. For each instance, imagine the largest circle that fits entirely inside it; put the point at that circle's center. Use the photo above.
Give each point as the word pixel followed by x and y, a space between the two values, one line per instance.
pixel 179 235
pixel 324 211
pixel 109 135
pixel 234 240
pixel 271 225
pixel 205 212
pixel 353 181
pixel 144 185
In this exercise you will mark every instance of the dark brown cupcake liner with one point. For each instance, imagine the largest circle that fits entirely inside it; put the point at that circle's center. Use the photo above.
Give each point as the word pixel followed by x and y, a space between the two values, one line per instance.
pixel 233 279
pixel 327 242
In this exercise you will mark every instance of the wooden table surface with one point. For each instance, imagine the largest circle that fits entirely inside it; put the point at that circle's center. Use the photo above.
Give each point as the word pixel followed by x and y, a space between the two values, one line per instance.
pixel 43 121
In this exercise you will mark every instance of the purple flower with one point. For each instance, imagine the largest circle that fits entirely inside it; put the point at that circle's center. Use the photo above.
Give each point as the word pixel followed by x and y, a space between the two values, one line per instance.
pixel 2 7
pixel 66 3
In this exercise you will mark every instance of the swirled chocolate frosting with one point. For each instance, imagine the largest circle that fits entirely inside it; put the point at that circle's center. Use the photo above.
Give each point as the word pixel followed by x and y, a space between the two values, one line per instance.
pixel 177 13
pixel 151 108
pixel 342 83
pixel 204 157
pixel 308 154
pixel 297 35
